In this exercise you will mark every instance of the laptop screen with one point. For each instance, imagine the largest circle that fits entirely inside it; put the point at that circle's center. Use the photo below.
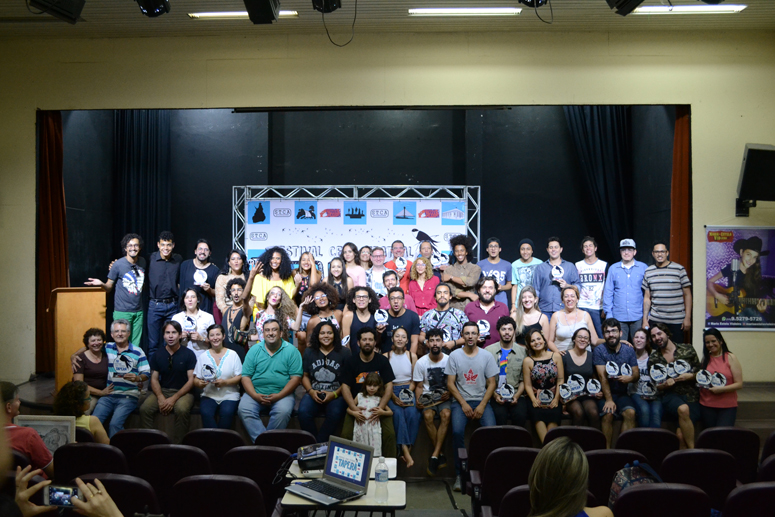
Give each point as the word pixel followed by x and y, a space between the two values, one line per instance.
pixel 348 463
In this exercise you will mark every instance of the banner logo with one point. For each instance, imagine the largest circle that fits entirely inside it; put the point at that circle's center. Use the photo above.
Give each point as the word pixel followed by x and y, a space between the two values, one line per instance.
pixel 259 236
pixel 281 212
pixel 306 212
pixel 379 213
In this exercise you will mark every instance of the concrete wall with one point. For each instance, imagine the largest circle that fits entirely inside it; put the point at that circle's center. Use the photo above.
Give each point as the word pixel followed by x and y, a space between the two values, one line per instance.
pixel 727 78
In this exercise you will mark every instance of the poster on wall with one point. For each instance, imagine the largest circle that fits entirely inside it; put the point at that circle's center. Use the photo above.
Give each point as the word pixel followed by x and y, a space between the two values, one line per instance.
pixel 740 276
pixel 322 226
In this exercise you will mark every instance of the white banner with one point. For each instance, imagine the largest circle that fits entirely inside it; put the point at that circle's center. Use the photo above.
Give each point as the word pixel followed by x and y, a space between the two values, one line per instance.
pixel 323 226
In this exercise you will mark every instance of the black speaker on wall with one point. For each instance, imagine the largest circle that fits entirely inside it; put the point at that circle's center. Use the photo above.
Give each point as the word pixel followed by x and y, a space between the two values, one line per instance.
pixel 262 11
pixel 757 177
pixel 67 10
pixel 326 6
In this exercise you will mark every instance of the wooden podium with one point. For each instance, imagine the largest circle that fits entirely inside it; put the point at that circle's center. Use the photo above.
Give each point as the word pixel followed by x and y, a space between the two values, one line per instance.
pixel 76 309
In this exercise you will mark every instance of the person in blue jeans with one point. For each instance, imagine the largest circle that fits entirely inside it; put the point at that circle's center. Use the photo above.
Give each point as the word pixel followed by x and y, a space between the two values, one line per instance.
pixel 218 372
pixel 163 280
pixel 643 393
pixel 322 380
pixel 271 372
pixel 472 375
pixel 127 367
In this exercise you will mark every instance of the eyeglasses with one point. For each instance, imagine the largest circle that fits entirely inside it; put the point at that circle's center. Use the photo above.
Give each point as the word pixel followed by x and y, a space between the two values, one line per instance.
pixel 361 296
pixel 396 298
pixel 582 338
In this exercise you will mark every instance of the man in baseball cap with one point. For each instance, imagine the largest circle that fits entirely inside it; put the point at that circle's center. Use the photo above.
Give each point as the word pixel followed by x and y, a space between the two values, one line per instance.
pixel 622 295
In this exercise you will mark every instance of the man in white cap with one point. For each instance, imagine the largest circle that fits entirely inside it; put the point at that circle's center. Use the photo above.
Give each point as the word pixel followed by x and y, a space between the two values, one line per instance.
pixel 623 293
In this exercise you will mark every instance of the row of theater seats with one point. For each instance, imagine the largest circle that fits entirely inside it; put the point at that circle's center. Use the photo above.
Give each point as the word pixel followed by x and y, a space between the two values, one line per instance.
pixel 211 473
pixel 724 459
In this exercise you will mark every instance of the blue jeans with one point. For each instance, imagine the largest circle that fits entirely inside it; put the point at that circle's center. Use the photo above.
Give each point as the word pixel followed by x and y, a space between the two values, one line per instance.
pixel 117 408
pixel 406 420
pixel 334 412
pixel 158 313
pixel 595 315
pixel 649 412
pixel 225 412
pixel 459 422
pixel 250 413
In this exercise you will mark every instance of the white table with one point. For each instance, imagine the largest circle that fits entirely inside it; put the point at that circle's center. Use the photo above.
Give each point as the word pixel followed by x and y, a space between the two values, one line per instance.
pixel 396 501
pixel 392 465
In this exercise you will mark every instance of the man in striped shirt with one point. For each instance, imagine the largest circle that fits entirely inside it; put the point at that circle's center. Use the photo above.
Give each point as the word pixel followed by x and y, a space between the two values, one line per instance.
pixel 127 369
pixel 667 296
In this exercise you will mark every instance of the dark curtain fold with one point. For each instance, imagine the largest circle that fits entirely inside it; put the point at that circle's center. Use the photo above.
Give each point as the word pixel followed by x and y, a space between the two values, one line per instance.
pixel 52 252
pixel 141 172
pixel 680 192
pixel 603 142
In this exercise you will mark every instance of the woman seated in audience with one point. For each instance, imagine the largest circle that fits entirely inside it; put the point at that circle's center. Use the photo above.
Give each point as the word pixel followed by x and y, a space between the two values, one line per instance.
pixel 74 400
pixel 275 271
pixel 542 371
pixel 406 418
pixel 567 320
pixel 321 305
pixel 365 255
pixel 280 307
pixel 422 287
pixel 340 280
pixel 363 303
pixel 218 372
pixel 194 322
pixel 352 261
pixel 236 267
pixel 323 362
pixel 578 361
pixel 558 482
pixel 718 404
pixel 527 315
pixel 236 319
pixel 305 275
pixel 643 394
pixel 92 366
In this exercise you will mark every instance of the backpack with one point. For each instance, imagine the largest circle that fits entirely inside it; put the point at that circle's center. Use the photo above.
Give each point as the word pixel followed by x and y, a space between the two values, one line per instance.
pixel 637 474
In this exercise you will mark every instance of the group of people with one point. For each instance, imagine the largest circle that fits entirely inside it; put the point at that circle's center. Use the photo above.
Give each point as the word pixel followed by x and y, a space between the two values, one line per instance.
pixel 378 347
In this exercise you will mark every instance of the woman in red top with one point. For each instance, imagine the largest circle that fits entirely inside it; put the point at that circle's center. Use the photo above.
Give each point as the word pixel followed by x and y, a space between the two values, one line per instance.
pixel 422 288
pixel 719 403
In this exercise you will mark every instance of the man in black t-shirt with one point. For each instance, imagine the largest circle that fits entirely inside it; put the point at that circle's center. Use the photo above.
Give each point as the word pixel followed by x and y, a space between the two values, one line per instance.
pixel 354 375
pixel 172 378
pixel 400 316
pixel 200 274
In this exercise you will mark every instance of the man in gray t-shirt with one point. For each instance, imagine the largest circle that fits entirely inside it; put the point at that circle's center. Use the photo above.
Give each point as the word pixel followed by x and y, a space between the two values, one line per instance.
pixel 472 375
pixel 127 275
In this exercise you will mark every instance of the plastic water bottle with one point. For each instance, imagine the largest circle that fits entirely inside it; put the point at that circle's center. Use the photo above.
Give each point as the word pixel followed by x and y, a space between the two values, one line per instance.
pixel 381 476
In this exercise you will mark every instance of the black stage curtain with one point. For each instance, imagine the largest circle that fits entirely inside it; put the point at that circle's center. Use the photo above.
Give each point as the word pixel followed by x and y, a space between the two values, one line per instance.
pixel 142 179
pixel 603 140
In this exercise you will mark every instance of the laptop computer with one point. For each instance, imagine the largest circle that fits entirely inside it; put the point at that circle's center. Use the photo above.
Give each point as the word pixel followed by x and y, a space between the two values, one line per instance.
pixel 345 477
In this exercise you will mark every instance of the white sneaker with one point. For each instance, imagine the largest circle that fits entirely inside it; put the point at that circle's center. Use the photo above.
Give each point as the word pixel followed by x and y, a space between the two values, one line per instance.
pixel 456 487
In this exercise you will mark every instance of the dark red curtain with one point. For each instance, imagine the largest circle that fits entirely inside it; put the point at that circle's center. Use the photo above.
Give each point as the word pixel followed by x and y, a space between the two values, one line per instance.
pixel 52 254
pixel 681 192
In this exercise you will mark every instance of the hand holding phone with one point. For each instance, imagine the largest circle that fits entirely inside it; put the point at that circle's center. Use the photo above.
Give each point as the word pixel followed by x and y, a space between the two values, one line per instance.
pixel 56 495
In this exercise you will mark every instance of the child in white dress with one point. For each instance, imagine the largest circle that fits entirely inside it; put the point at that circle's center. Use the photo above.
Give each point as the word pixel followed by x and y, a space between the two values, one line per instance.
pixel 370 432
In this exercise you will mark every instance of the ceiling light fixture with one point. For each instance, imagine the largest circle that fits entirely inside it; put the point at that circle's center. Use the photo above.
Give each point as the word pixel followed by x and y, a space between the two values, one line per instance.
pixel 690 9
pixel 154 8
pixel 235 15
pixel 465 11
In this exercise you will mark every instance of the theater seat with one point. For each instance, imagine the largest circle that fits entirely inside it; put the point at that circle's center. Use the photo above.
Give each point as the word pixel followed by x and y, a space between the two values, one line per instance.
pixel 164 465
pixel 742 444
pixel 288 439
pixel 261 464
pixel 220 496
pixel 603 466
pixel 662 499
pixel 132 441
pixel 709 470
pixel 588 438
pixel 83 435
pixel 767 470
pixel 216 443
pixel 130 493
pixel 76 459
pixel 750 499
pixel 516 461
pixel 654 444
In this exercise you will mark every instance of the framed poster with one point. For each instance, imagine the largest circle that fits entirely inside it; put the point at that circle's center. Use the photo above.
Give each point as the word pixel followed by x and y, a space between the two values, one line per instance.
pixel 56 431
pixel 740 276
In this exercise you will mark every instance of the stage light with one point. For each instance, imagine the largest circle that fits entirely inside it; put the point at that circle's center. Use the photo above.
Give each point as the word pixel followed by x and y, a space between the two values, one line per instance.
pixel 624 7
pixel 154 8
pixel 262 11
pixel 66 10
pixel 466 11
pixel 690 9
pixel 326 6
pixel 533 3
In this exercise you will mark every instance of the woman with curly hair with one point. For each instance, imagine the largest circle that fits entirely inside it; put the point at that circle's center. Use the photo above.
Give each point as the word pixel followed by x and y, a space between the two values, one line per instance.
pixel 236 266
pixel 92 367
pixel 352 261
pixel 73 400
pixel 275 270
pixel 422 288
pixel 339 278
pixel 461 274
pixel 363 303
pixel 323 363
pixel 279 306
pixel 321 305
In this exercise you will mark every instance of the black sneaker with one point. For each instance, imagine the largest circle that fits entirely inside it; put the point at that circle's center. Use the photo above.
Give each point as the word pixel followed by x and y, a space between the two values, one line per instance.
pixel 442 461
pixel 433 466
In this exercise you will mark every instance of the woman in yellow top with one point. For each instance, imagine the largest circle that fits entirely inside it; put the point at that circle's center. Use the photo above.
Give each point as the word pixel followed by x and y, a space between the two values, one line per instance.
pixel 276 271
pixel 73 400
